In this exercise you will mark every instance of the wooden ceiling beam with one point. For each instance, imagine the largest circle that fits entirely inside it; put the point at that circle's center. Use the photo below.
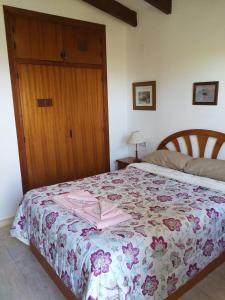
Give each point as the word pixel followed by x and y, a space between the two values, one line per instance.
pixel 116 10
pixel 163 5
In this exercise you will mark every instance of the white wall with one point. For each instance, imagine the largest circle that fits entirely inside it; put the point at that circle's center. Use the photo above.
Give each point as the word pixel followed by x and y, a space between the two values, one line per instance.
pixel 177 50
pixel 10 178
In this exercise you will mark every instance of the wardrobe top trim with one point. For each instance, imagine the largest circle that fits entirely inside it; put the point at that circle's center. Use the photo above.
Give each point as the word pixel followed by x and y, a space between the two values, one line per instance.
pixel 54 18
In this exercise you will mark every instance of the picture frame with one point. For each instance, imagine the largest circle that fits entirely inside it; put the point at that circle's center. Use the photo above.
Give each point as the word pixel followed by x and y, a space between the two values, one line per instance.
pixel 205 93
pixel 144 95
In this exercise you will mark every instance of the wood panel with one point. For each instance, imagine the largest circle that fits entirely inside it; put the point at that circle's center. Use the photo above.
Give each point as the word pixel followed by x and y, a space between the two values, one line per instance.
pixel 47 138
pixel 83 45
pixel 24 53
pixel 90 145
pixel 67 140
pixel 37 39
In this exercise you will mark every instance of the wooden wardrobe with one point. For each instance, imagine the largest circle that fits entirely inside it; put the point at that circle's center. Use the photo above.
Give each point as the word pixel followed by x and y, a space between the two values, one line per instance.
pixel 58 74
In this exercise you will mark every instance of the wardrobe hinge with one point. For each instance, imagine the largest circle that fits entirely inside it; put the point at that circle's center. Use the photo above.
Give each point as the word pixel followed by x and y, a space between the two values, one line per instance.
pixel 17 75
pixel 24 139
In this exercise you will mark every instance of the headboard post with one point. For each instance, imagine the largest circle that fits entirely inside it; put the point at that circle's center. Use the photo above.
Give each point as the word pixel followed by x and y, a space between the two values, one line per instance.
pixel 202 135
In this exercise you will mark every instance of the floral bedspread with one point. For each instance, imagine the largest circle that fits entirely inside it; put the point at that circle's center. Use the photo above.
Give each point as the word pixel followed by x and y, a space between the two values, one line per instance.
pixel 176 230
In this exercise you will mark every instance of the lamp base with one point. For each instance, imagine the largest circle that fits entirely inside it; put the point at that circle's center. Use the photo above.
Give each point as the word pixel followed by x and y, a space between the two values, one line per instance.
pixel 136 157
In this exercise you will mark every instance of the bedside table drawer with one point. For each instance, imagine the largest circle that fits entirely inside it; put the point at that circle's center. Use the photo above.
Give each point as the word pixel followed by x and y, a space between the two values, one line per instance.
pixel 122 165
pixel 124 162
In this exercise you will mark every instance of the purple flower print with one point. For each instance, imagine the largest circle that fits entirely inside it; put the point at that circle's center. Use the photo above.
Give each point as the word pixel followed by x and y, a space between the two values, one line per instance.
pixel 150 175
pixel 208 248
pixel 73 227
pixel 35 223
pixel 87 231
pixel 159 246
pixel 136 215
pixel 52 251
pixel 131 255
pixel 140 229
pixel 61 242
pixel 195 222
pixel 199 244
pixel 50 219
pixel 175 259
pixel 150 285
pixel 123 233
pixel 221 244
pixel 212 213
pixel 135 194
pixel 134 179
pixel 159 181
pixel 152 189
pixel 66 279
pixel 164 198
pixel 200 189
pixel 172 224
pixel 193 269
pixel 46 202
pixel 156 208
pixel 92 298
pixel 183 196
pixel 152 222
pixel 21 222
pixel 114 197
pixel 100 262
pixel 187 255
pixel 136 280
pixel 217 199
pixel 108 187
pixel 117 181
pixel 223 225
pixel 72 259
pixel 171 284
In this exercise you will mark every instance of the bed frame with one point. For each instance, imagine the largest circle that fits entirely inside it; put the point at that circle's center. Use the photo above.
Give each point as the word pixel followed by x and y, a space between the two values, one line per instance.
pixel 202 138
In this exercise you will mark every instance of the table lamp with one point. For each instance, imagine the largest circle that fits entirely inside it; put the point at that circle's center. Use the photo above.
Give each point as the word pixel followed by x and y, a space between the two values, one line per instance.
pixel 136 138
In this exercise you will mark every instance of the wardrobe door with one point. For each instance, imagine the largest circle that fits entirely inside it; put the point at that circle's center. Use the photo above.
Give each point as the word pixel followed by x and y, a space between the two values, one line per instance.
pixel 83 45
pixel 37 39
pixel 48 146
pixel 88 121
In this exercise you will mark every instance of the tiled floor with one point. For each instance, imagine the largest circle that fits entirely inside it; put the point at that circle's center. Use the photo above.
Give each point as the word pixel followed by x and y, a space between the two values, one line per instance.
pixel 22 278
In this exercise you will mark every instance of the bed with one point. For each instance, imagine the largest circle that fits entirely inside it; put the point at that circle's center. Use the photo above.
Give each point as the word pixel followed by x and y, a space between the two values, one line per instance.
pixel 176 235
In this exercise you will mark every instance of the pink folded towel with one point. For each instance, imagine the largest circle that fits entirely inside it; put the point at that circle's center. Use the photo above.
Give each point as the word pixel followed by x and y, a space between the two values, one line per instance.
pixel 76 199
pixel 101 224
pixel 103 210
pixel 101 214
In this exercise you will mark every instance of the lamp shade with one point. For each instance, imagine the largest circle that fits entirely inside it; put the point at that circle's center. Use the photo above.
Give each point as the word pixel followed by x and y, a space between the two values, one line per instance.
pixel 136 137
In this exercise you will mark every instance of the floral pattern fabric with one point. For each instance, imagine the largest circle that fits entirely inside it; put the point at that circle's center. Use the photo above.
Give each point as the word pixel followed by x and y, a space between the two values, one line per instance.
pixel 175 231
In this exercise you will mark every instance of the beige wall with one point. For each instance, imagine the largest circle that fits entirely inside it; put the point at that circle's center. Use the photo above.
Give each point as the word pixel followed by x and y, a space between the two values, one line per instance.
pixel 10 179
pixel 177 50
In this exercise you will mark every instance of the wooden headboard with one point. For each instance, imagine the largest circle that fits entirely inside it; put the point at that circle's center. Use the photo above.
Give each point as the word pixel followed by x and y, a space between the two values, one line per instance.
pixel 202 136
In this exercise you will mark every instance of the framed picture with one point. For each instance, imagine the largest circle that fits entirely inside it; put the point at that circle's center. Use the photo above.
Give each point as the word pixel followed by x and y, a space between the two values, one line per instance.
pixel 144 95
pixel 205 93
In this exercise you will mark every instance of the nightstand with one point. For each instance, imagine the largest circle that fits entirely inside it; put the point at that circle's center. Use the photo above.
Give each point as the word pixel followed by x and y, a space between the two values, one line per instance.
pixel 124 162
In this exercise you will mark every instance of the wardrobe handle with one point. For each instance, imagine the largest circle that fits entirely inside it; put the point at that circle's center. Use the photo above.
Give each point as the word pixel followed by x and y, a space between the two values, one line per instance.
pixel 71 133
pixel 64 54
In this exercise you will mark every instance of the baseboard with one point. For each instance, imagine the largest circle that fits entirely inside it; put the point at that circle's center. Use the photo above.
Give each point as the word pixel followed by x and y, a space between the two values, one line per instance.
pixel 6 222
